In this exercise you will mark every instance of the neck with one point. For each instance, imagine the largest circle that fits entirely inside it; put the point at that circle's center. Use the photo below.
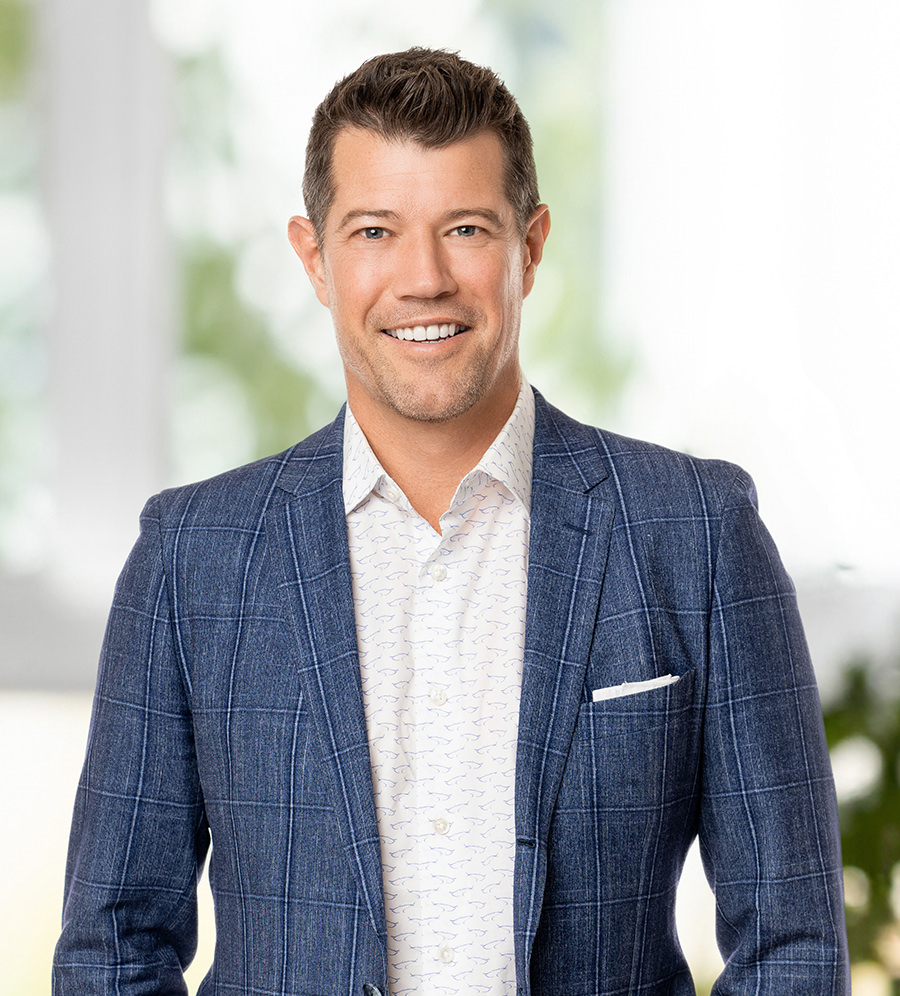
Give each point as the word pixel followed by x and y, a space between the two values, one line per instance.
pixel 429 459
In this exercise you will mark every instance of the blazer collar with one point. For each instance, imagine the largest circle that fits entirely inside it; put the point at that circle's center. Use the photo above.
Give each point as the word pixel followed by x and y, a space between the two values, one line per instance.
pixel 315 462
pixel 566 452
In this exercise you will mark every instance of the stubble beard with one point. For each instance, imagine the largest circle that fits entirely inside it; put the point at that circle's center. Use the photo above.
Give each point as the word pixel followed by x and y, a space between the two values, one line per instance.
pixel 443 403
pixel 412 399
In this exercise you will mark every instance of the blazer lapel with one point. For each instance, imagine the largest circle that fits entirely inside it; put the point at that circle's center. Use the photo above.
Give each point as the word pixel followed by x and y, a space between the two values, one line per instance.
pixel 570 531
pixel 309 532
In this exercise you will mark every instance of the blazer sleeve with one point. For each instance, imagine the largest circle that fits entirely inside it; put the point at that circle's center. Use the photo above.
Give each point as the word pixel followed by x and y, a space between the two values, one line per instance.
pixel 768 823
pixel 139 833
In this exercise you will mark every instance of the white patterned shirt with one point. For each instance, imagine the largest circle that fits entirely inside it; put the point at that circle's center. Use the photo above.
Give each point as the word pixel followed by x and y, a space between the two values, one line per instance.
pixel 440 623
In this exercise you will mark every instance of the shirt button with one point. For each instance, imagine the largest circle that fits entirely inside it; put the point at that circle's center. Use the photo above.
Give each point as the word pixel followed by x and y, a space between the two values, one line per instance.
pixel 446 954
pixel 438 696
pixel 438 572
pixel 392 494
pixel 441 826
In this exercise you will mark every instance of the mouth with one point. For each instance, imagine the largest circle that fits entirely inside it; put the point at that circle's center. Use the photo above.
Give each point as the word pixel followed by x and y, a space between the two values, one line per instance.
pixel 426 333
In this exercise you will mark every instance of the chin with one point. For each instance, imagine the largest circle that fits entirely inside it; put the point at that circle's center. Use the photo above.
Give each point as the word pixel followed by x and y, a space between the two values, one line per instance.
pixel 432 409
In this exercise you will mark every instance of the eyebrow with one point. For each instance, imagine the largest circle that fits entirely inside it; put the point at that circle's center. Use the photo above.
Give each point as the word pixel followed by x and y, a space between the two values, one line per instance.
pixel 458 215
pixel 365 213
pixel 485 213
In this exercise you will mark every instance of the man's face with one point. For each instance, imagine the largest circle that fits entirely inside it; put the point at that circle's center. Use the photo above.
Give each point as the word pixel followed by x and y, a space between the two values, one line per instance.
pixel 424 271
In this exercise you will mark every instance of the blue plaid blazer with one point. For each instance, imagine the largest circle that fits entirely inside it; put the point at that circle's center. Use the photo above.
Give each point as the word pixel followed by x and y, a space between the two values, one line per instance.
pixel 229 705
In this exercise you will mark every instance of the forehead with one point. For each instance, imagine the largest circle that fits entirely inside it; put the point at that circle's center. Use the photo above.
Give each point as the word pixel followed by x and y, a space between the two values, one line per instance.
pixel 378 174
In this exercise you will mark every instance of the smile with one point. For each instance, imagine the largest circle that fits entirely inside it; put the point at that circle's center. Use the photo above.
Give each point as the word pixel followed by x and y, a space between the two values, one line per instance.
pixel 426 333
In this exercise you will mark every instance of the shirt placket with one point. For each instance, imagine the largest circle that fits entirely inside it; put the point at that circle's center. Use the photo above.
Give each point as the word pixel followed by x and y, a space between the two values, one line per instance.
pixel 436 652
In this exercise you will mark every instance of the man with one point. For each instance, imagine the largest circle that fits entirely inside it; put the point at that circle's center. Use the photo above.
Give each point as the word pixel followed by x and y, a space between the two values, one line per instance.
pixel 454 683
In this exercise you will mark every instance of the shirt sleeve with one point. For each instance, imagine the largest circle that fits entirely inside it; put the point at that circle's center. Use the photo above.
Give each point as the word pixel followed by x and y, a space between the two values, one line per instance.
pixel 768 825
pixel 139 832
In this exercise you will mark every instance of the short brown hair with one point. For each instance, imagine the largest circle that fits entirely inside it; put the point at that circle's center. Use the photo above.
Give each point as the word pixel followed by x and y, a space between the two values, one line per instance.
pixel 432 97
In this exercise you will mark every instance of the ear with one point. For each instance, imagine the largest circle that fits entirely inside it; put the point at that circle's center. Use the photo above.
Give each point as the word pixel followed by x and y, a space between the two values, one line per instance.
pixel 535 237
pixel 302 236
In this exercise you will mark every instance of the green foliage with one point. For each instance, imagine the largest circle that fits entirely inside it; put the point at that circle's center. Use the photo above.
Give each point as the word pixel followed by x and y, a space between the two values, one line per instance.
pixel 15 47
pixel 204 100
pixel 559 87
pixel 870 823
pixel 218 325
pixel 21 352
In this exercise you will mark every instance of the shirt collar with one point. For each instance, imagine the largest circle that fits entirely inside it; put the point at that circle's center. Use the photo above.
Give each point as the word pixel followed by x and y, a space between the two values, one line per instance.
pixel 363 474
pixel 508 459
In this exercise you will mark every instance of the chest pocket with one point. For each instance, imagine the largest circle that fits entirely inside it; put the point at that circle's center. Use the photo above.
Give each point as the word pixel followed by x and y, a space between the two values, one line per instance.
pixel 638 749
pixel 630 780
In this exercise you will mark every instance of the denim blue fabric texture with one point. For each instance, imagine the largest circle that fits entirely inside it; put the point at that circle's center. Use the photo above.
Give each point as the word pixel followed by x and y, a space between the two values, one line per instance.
pixel 229 703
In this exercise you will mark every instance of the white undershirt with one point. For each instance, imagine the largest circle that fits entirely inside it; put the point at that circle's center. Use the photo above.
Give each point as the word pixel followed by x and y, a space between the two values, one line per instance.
pixel 440 624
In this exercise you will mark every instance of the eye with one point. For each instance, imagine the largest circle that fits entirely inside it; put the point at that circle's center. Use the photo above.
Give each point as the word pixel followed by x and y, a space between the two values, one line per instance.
pixel 467 231
pixel 373 232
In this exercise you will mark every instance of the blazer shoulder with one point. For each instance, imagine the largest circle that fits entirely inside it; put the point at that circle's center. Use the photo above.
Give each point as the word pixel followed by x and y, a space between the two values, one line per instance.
pixel 640 474
pixel 247 492
pixel 649 467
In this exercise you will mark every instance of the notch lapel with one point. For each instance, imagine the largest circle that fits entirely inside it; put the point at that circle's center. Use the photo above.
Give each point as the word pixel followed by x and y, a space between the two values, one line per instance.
pixel 309 531
pixel 570 531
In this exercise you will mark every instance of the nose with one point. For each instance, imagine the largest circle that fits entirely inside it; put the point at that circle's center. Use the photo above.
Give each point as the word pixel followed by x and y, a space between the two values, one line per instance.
pixel 423 268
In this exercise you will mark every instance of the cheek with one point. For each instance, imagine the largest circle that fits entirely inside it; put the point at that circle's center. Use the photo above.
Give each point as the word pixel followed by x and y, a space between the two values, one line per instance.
pixel 488 281
pixel 353 290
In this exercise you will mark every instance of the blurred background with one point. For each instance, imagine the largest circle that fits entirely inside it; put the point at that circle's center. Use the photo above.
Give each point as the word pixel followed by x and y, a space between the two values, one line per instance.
pixel 723 276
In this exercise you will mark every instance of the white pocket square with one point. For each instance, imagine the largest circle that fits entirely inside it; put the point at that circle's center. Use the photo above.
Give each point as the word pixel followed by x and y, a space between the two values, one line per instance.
pixel 632 687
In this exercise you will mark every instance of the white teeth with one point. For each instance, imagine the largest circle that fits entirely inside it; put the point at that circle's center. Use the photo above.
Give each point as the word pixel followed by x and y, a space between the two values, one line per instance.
pixel 423 333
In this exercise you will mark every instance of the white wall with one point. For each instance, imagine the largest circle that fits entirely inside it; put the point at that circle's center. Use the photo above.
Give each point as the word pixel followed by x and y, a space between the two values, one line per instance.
pixel 753 254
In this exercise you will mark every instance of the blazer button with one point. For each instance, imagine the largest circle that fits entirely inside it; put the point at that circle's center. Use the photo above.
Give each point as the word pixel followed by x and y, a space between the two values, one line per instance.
pixel 370 990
